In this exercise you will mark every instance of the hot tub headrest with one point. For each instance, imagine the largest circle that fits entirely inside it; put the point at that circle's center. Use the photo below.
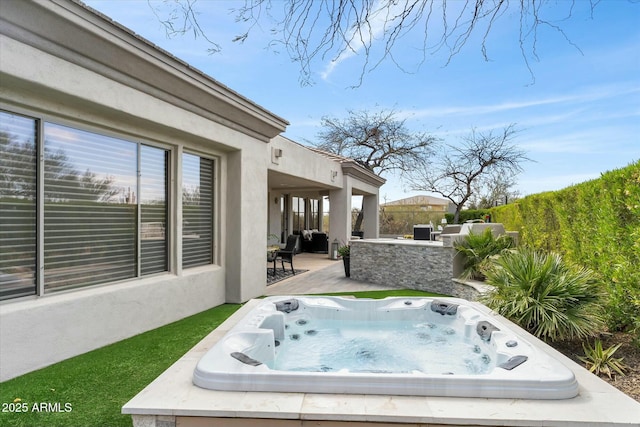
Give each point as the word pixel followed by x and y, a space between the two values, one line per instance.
pixel 287 306
pixel 444 307
pixel 485 329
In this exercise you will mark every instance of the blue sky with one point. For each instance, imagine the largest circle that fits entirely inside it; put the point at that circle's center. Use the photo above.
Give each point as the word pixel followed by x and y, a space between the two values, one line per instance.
pixel 578 115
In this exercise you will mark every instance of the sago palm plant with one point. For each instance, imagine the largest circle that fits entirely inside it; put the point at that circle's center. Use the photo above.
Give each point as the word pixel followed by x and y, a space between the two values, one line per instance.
pixel 551 298
pixel 477 249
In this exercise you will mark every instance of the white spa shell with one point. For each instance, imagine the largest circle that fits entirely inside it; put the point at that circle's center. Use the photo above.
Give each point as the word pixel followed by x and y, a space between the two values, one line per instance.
pixel 252 342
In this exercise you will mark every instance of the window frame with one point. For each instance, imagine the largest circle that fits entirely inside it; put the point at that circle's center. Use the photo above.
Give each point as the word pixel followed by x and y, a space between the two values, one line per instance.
pixel 33 209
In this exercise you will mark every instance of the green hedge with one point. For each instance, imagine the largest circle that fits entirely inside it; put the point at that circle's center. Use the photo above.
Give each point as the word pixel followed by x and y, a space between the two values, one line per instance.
pixel 596 224
pixel 468 215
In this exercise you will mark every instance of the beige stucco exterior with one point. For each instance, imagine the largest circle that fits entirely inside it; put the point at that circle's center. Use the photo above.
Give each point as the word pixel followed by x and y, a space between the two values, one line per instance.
pixel 62 62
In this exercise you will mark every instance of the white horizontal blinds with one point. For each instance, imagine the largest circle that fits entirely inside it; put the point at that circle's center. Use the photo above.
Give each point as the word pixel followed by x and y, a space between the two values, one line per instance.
pixel 90 208
pixel 18 218
pixel 153 210
pixel 197 210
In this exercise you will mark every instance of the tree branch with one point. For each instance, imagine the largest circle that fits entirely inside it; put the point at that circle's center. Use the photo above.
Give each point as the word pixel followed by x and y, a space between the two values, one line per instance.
pixel 314 31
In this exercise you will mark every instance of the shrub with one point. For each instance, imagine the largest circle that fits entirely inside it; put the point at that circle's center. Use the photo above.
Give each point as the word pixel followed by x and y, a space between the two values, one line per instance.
pixel 477 248
pixel 601 361
pixel 468 215
pixel 551 298
pixel 623 312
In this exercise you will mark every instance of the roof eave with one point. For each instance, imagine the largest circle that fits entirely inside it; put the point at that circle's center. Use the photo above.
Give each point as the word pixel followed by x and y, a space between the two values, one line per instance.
pixel 353 169
pixel 81 35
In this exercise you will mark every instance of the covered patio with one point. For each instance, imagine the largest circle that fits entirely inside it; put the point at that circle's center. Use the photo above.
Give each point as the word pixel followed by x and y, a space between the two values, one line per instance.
pixel 305 183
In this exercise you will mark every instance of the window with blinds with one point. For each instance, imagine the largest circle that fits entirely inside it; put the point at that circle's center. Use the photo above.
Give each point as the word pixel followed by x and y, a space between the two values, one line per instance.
pixel 18 216
pixel 197 210
pixel 105 208
pixel 90 208
pixel 153 210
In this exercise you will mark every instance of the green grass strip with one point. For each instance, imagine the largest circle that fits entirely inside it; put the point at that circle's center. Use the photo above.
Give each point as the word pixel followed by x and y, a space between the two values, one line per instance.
pixel 90 389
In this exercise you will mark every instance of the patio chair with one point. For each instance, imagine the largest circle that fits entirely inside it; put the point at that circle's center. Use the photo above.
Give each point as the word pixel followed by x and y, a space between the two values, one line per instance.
pixel 289 251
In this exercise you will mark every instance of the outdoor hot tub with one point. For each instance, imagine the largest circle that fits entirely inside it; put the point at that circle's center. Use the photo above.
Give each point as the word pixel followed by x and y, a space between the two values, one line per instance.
pixel 395 346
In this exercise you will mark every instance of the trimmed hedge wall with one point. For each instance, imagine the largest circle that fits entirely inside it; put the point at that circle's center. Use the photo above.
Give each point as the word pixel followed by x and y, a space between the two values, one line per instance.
pixel 596 224
pixel 468 215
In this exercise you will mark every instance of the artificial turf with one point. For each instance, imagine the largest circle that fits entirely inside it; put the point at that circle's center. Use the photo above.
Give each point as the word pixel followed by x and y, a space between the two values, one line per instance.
pixel 90 389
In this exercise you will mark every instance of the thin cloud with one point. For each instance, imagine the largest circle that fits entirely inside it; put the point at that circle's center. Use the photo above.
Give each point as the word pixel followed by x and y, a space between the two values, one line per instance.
pixel 376 27
pixel 582 98
pixel 592 141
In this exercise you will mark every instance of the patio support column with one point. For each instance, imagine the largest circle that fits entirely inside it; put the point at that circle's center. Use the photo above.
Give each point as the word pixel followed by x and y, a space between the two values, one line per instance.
pixel 371 216
pixel 246 228
pixel 340 213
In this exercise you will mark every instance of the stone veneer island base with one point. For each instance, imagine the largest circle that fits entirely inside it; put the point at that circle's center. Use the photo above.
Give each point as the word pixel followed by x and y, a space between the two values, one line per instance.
pixel 423 265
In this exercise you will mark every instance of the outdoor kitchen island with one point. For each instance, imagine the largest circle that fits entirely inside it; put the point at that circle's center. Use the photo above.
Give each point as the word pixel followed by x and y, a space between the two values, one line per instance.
pixel 424 265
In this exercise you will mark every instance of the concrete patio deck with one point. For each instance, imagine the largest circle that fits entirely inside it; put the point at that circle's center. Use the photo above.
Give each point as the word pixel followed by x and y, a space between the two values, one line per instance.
pixel 324 276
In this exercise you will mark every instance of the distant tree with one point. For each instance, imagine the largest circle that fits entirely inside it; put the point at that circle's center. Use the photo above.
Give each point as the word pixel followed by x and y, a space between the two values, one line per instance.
pixel 379 141
pixel 457 171
pixel 90 187
pixel 496 190
pixel 318 29
pixel 191 195
pixel 16 155
pixel 63 182
pixel 62 179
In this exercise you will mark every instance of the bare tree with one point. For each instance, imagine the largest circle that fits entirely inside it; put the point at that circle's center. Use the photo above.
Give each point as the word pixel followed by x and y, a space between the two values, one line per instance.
pixel 92 187
pixel 495 190
pixel 457 171
pixel 16 155
pixel 63 180
pixel 312 30
pixel 378 141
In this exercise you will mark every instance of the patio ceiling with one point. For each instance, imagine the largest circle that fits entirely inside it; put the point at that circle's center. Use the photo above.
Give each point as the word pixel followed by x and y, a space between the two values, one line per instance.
pixel 285 183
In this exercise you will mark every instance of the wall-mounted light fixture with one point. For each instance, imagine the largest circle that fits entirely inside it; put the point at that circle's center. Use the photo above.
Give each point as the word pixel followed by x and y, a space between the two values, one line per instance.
pixel 334 174
pixel 276 154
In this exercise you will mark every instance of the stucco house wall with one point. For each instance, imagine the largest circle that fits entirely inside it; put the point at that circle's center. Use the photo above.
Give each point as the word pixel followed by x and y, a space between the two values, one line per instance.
pixel 65 64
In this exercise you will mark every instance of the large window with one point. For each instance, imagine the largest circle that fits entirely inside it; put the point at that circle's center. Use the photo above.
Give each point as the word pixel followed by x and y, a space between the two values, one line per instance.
pixel 103 206
pixel 197 210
